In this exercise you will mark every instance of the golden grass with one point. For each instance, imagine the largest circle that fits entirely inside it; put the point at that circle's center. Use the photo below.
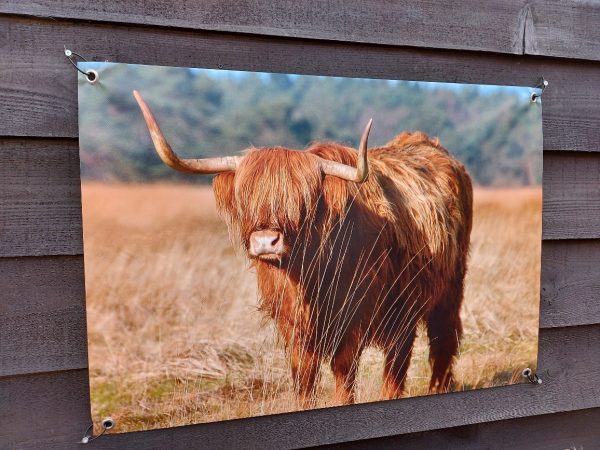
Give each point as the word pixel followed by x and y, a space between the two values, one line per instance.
pixel 175 336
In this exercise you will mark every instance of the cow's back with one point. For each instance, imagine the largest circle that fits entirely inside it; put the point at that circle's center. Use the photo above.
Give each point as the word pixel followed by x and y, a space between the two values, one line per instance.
pixel 401 236
pixel 431 196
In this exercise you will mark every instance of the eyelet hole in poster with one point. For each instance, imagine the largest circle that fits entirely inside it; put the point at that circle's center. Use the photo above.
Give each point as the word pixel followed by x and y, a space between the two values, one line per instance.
pixel 254 245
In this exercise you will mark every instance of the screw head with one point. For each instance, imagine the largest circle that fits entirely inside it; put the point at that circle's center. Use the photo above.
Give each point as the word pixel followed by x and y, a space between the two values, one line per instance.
pixel 108 423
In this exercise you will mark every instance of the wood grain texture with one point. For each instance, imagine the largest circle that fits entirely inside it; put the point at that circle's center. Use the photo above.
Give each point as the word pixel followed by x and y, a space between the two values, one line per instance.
pixel 44 411
pixel 40 197
pixel 39 90
pixel 567 363
pixel 564 29
pixel 570 290
pixel 468 25
pixel 571 107
pixel 569 430
pixel 550 28
pixel 42 315
pixel 571 196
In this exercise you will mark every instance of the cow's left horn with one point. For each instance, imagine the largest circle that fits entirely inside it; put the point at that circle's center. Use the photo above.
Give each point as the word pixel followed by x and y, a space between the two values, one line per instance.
pixel 170 158
pixel 358 174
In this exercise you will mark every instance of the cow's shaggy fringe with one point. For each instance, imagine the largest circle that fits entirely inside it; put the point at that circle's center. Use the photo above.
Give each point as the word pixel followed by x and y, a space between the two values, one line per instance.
pixel 364 262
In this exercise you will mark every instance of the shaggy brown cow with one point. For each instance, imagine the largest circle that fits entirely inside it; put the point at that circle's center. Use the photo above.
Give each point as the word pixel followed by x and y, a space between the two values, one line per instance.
pixel 345 260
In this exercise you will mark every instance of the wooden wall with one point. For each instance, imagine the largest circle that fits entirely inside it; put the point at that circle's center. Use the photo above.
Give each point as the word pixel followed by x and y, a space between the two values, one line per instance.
pixel 44 391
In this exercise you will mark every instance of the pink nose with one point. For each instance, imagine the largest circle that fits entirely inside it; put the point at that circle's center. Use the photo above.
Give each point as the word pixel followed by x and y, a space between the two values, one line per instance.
pixel 266 242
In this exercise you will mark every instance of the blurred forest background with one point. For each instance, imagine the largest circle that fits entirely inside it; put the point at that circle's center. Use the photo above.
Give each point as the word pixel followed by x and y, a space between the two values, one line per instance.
pixel 495 131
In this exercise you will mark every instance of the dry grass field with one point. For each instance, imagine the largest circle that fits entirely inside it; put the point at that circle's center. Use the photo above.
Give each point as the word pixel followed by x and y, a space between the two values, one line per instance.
pixel 175 336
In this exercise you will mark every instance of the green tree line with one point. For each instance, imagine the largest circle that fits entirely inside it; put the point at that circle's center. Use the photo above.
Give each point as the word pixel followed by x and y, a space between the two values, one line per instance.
pixel 495 133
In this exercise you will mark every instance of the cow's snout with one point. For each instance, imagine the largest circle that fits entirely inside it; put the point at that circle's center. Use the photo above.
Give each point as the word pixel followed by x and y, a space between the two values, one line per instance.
pixel 266 244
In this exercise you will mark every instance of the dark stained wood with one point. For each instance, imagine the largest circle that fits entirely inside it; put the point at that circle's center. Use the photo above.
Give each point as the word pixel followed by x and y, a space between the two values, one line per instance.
pixel 40 93
pixel 571 196
pixel 44 411
pixel 39 197
pixel 570 430
pixel 42 325
pixel 570 290
pixel 571 108
pixel 550 28
pixel 468 25
pixel 568 365
pixel 565 29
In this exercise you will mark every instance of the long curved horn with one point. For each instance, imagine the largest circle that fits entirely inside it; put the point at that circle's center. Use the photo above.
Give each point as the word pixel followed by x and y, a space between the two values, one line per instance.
pixel 168 156
pixel 358 174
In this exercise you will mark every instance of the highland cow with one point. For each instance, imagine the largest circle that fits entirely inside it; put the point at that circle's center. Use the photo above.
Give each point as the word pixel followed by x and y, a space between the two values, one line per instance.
pixel 351 249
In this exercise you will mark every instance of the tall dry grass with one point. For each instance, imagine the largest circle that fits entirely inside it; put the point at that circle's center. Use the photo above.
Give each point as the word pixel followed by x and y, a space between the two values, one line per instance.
pixel 175 336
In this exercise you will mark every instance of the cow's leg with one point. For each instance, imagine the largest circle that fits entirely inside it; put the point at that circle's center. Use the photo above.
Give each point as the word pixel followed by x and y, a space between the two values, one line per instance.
pixel 397 360
pixel 344 365
pixel 444 330
pixel 305 372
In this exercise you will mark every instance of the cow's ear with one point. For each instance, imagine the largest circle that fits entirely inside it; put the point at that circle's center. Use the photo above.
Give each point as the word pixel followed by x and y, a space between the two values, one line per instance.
pixel 335 195
pixel 224 189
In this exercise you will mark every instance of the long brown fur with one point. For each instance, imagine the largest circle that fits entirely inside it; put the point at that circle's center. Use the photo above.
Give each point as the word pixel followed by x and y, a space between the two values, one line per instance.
pixel 365 262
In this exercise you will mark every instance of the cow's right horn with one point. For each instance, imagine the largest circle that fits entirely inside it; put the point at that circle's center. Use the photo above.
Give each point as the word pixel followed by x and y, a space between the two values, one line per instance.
pixel 168 156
